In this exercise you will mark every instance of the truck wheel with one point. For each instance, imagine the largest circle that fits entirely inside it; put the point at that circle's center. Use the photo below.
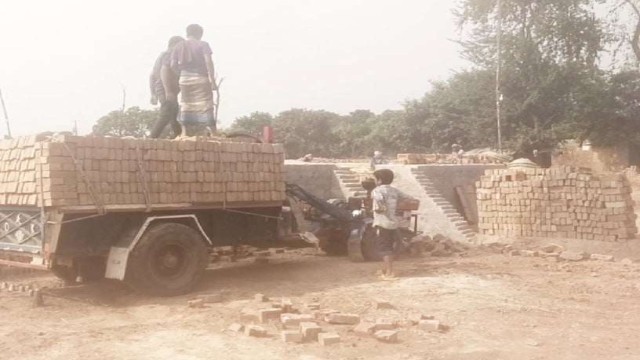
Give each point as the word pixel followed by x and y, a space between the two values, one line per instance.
pixel 334 242
pixel 370 244
pixel 65 273
pixel 168 260
pixel 92 268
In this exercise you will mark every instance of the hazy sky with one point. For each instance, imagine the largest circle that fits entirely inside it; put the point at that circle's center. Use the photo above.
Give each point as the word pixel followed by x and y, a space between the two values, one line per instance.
pixel 65 60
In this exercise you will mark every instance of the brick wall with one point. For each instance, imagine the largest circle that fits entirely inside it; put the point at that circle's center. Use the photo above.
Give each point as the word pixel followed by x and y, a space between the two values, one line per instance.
pixel 560 202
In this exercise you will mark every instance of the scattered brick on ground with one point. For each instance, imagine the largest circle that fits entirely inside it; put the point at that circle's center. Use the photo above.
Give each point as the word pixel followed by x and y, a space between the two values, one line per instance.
pixel 291 336
pixel 328 338
pixel 310 331
pixel 343 319
pixel 390 336
pixel 255 331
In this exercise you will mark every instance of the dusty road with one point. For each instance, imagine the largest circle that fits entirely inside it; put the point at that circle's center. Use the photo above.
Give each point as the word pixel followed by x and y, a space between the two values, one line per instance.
pixel 497 307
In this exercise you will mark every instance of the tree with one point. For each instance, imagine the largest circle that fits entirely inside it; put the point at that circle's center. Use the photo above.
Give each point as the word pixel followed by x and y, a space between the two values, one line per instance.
pixel 352 133
pixel 461 111
pixel 306 132
pixel 132 122
pixel 550 52
pixel 252 124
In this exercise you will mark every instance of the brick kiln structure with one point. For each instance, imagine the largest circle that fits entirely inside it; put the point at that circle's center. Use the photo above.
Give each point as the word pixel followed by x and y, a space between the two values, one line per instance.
pixel 562 202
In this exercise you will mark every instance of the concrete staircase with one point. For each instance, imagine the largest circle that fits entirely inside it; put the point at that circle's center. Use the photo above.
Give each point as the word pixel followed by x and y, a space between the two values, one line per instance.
pixel 457 220
pixel 349 183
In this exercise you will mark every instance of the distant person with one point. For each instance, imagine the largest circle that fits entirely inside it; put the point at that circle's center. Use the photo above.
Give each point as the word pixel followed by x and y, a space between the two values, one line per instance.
pixel 536 157
pixel 457 152
pixel 377 159
pixel 385 220
pixel 192 60
pixel 164 89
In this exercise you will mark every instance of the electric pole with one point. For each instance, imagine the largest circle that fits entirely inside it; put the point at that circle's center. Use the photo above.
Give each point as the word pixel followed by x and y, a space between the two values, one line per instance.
pixel 6 117
pixel 498 75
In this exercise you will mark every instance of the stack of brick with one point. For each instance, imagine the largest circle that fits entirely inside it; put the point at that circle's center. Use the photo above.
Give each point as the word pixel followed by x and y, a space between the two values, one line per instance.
pixel 561 202
pixel 94 171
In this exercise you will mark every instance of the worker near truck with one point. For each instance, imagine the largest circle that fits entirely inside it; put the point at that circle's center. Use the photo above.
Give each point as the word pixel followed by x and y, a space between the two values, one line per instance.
pixel 191 59
pixel 385 220
pixel 163 83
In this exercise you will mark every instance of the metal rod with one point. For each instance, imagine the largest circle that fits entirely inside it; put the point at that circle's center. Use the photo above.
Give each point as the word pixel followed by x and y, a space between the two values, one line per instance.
pixel 6 117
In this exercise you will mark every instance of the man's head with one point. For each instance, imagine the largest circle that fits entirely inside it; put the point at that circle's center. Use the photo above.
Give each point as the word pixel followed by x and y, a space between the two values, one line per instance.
pixel 175 40
pixel 195 31
pixel 383 176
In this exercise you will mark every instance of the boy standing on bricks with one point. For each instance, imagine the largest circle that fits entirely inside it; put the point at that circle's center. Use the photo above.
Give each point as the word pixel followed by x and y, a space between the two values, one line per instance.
pixel 385 219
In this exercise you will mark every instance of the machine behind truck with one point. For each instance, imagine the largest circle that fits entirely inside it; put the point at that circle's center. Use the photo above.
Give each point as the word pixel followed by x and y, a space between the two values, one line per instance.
pixel 148 212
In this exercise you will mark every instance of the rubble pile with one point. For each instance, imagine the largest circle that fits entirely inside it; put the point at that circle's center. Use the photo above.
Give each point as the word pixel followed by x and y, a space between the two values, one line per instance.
pixel 438 246
pixel 94 171
pixel 310 323
pixel 561 202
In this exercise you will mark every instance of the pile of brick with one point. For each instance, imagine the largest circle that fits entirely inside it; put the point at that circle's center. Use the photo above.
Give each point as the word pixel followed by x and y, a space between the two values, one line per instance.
pixel 96 172
pixel 561 202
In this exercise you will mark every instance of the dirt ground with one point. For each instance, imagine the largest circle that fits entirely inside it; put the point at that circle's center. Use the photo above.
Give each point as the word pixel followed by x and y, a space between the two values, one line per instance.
pixel 496 307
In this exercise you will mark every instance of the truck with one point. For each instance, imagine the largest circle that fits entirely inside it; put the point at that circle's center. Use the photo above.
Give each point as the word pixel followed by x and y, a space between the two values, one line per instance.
pixel 149 212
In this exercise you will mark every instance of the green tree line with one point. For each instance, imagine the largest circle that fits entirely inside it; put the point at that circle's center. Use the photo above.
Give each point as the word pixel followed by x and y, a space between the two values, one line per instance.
pixel 569 70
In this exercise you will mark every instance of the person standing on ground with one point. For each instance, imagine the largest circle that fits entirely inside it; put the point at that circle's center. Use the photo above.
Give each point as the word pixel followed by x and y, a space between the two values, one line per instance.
pixel 377 159
pixel 192 60
pixel 164 89
pixel 385 220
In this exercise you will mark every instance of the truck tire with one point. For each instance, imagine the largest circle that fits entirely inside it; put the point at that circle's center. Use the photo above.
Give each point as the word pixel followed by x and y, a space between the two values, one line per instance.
pixel 334 241
pixel 65 273
pixel 169 260
pixel 369 244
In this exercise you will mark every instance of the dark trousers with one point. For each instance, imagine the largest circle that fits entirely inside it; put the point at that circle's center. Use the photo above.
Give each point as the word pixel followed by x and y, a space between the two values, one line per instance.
pixel 386 240
pixel 168 115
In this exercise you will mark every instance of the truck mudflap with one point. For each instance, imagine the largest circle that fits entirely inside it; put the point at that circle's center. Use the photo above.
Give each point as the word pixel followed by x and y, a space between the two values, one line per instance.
pixel 21 230
pixel 21 237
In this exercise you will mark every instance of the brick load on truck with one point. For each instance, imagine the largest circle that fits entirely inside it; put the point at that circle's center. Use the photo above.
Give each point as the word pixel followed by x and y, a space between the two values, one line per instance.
pixel 72 204
pixel 88 173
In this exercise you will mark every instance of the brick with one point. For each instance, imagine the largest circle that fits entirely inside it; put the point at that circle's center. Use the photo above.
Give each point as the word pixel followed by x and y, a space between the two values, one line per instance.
pixel 385 324
pixel 255 331
pixel 599 257
pixel 383 304
pixel 573 256
pixel 287 305
pixel 552 248
pixel 343 319
pixel 291 336
pixel 626 261
pixel 528 253
pixel 321 315
pixel 390 336
pixel 326 339
pixel 313 306
pixel 364 329
pixel 265 315
pixel 430 325
pixel 296 319
pixel 310 331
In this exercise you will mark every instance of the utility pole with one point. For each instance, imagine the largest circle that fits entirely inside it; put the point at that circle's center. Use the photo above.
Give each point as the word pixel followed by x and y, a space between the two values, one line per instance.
pixel 6 117
pixel 498 76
